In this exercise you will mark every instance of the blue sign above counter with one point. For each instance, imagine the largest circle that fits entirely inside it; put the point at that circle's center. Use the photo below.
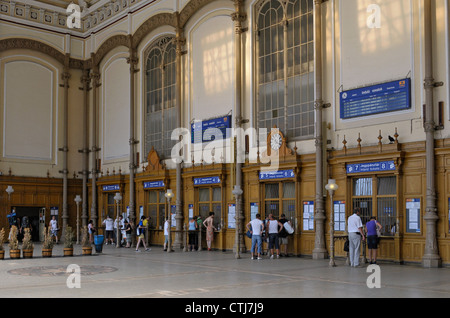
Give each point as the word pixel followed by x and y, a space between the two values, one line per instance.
pixel 370 167
pixel 111 187
pixel 206 180
pixel 279 174
pixel 376 99
pixel 153 184
pixel 200 132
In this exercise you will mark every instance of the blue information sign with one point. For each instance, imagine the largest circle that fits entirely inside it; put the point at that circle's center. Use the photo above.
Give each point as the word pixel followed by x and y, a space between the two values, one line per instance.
pixel 279 174
pixel 200 132
pixel 153 184
pixel 371 166
pixel 111 187
pixel 206 180
pixel 376 99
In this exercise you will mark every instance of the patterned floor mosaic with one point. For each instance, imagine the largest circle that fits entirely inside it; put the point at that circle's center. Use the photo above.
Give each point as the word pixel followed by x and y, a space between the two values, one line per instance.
pixel 61 270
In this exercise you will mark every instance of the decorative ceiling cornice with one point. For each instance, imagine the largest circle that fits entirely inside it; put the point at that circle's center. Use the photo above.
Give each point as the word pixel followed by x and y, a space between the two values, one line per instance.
pixel 21 43
pixel 174 19
pixel 52 14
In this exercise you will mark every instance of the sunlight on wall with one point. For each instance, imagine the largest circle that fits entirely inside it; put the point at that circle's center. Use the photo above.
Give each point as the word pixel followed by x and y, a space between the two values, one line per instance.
pixel 395 23
pixel 375 52
pixel 218 61
pixel 213 67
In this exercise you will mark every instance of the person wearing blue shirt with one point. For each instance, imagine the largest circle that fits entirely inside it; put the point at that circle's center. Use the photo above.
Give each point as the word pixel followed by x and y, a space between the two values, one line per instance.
pixel 372 238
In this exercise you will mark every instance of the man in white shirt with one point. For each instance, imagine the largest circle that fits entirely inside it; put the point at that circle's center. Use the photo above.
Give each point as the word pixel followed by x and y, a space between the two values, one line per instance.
pixel 257 226
pixel 355 232
pixel 166 235
pixel 109 229
pixel 54 228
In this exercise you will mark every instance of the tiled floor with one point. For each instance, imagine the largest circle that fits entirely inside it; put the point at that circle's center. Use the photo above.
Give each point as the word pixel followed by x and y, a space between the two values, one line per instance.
pixel 124 273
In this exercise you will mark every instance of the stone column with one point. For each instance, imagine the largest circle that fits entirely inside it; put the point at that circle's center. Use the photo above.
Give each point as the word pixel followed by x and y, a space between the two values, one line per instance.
pixel 319 251
pixel 238 17
pixel 94 149
pixel 133 61
pixel 180 42
pixel 431 256
pixel 85 150
pixel 65 213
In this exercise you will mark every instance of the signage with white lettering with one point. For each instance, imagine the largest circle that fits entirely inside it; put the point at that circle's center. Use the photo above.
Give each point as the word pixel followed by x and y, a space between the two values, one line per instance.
pixel 279 174
pixel 111 187
pixel 206 180
pixel 371 167
pixel 153 184
pixel 376 99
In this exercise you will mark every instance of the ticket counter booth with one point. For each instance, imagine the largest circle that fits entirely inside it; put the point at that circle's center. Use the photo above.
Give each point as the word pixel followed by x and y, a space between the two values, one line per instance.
pixel 279 191
pixel 375 188
pixel 156 208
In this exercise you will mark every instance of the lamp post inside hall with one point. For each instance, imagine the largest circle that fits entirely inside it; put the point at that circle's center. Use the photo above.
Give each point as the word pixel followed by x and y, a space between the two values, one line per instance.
pixel 9 190
pixel 118 198
pixel 169 195
pixel 237 191
pixel 78 201
pixel 331 187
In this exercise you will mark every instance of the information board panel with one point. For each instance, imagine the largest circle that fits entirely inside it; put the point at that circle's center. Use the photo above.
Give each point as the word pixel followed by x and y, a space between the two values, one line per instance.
pixel 231 216
pixel 339 215
pixel 413 215
pixel 200 132
pixel 308 215
pixel 376 99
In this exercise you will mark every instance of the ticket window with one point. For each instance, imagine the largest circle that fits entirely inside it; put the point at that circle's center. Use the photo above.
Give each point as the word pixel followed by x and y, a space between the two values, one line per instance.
pixel 376 196
pixel 156 208
pixel 210 200
pixel 110 206
pixel 279 198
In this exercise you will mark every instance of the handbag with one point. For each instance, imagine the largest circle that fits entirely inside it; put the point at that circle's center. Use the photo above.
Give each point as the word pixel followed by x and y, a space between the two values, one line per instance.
pixel 346 246
pixel 378 230
pixel 249 234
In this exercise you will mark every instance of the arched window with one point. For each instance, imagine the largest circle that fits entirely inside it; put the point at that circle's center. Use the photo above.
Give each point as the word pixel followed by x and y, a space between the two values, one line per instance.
pixel 285 66
pixel 160 113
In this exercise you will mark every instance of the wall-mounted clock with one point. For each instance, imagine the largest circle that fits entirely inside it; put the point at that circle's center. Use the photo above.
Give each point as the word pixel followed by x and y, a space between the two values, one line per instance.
pixel 276 140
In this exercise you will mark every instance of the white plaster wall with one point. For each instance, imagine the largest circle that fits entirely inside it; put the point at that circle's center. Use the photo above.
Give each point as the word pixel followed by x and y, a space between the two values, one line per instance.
pixel 29 110
pixel 115 109
pixel 212 67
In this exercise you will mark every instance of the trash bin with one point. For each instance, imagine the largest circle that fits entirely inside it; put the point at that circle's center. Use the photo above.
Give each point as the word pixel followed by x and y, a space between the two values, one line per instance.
pixel 98 241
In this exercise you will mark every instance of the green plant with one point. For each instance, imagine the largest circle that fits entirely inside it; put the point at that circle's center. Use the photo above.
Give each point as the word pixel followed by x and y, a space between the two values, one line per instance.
pixel 27 244
pixel 85 242
pixel 68 237
pixel 13 242
pixel 2 238
pixel 48 240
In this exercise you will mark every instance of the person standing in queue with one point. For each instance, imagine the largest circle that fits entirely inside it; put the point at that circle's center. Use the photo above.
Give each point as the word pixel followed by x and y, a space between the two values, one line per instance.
pixel 209 224
pixel 256 226
pixel 192 233
pixel 372 238
pixel 283 236
pixel 274 227
pixel 355 234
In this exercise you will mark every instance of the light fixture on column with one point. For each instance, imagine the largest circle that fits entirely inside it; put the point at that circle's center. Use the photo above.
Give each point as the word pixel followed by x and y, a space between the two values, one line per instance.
pixel 331 187
pixel 9 190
